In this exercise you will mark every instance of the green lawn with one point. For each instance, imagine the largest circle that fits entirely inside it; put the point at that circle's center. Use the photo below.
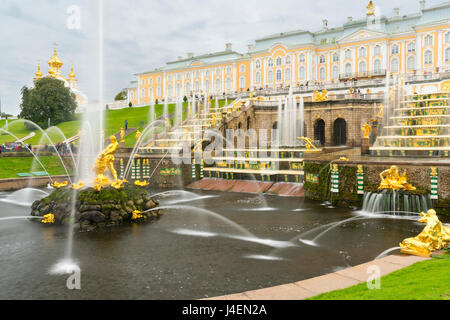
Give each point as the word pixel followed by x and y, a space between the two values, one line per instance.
pixel 10 167
pixel 114 120
pixel 428 280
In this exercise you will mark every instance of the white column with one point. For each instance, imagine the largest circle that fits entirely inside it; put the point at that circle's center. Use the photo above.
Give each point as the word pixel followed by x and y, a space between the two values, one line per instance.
pixel 264 71
pixel 404 57
pixel 234 77
pixel 419 54
pixel 440 60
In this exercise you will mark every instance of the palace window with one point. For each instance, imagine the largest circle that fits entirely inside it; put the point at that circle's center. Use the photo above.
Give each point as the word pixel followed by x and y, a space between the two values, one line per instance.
pixel 270 76
pixel 428 57
pixel 258 77
pixel 362 67
pixel 207 73
pixel 142 92
pixel 187 87
pixel 169 78
pixel 178 76
pixel 197 74
pixel 218 84
pixel 258 64
pixel 279 75
pixel 217 71
pixel 143 82
pixel 197 86
pixel 377 50
pixel 301 72
pixel 270 62
pixel 150 92
pixel 170 90
pixel 335 72
pixel 447 38
pixel 287 74
pixel 395 49
pixel 335 57
pixel 362 52
pixel 288 59
pixel 178 89
pixel 411 63
pixel 377 66
pixel 229 84
pixel 131 95
pixel 301 58
pixel 447 55
pixel 412 47
pixel 188 75
pixel 348 69
pixel 348 54
pixel 242 82
pixel 394 65
pixel 150 80
pixel 322 59
pixel 228 70
pixel 428 40
pixel 322 74
pixel 158 91
pixel 242 68
pixel 207 86
pixel 279 61
pixel 158 80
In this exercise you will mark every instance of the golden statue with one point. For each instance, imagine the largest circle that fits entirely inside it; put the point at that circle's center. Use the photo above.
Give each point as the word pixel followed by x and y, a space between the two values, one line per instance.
pixel 78 186
pixel 435 236
pixel 141 183
pixel 319 97
pixel 370 9
pixel 380 112
pixel 58 185
pixel 122 135
pixel 137 215
pixel 366 128
pixel 98 187
pixel 391 179
pixel 48 219
pixel 138 135
pixel 310 147
pixel 106 160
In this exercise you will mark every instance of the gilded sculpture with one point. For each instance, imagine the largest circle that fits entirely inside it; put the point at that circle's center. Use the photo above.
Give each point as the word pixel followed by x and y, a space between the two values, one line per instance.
pixel 435 236
pixel 391 179
pixel 366 129
pixel 58 185
pixel 370 9
pixel 104 161
pixel 320 96
pixel 310 147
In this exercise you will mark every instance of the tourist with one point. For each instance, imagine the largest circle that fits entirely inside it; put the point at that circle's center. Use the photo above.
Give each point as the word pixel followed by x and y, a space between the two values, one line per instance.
pixel 126 125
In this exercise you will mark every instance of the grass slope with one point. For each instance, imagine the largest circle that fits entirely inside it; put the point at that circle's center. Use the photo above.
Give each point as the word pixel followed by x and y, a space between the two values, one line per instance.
pixel 428 280
pixel 10 167
pixel 114 120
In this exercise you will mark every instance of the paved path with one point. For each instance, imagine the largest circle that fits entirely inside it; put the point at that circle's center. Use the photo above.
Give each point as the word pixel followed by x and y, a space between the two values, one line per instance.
pixel 330 282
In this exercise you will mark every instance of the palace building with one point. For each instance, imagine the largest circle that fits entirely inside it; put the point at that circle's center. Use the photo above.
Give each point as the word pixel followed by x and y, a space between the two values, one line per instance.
pixel 361 49
pixel 55 64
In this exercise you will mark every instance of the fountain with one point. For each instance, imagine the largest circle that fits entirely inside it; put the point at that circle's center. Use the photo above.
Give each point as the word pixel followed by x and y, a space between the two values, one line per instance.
pixel 395 195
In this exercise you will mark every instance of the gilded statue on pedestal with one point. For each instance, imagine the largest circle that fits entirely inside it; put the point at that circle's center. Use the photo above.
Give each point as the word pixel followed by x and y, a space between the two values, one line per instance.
pixel 391 179
pixel 366 129
pixel 320 96
pixel 370 9
pixel 435 236
pixel 106 160
pixel 308 144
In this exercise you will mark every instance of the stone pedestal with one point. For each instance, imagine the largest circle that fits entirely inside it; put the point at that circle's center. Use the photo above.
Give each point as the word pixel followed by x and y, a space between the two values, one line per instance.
pixel 365 145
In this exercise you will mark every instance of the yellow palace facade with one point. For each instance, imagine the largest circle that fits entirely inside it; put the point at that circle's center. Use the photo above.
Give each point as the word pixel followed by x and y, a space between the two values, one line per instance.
pixel 372 47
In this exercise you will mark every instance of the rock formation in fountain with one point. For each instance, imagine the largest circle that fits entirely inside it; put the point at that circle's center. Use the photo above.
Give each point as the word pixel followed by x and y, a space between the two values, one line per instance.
pixel 96 209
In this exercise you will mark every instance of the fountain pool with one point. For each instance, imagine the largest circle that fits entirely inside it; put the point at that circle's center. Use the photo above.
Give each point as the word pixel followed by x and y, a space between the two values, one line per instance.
pixel 189 254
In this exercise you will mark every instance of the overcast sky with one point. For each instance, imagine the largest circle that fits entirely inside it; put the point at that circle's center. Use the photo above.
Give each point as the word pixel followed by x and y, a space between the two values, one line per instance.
pixel 140 35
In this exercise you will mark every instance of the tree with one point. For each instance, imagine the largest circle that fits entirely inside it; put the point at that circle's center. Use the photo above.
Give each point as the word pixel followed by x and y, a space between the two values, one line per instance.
pixel 122 95
pixel 49 99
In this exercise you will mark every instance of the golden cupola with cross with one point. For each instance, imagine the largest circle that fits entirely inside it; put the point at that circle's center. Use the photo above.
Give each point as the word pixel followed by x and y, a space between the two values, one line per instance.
pixel 55 64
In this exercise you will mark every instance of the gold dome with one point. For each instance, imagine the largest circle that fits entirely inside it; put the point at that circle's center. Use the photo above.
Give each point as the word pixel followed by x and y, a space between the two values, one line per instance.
pixel 54 63
pixel 38 72
pixel 72 74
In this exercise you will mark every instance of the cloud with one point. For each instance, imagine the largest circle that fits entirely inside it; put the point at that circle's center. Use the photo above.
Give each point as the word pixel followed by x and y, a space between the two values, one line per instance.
pixel 140 35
